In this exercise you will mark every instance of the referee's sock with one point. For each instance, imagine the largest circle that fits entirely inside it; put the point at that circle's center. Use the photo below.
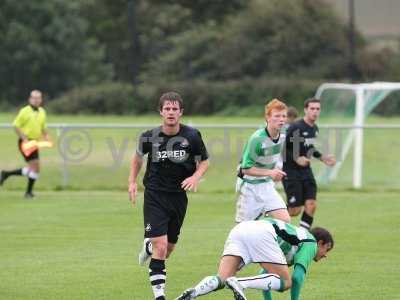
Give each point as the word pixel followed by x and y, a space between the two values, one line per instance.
pixel 306 221
pixel 158 276
pixel 17 172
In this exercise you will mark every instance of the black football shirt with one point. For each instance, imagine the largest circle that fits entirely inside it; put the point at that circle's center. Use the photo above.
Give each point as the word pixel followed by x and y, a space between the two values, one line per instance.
pixel 300 141
pixel 171 158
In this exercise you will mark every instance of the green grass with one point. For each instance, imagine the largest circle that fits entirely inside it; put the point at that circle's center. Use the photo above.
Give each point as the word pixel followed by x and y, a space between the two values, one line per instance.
pixel 80 241
pixel 83 245
pixel 107 164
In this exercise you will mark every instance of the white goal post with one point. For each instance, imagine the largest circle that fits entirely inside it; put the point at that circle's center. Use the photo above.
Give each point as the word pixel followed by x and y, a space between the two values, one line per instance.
pixel 368 96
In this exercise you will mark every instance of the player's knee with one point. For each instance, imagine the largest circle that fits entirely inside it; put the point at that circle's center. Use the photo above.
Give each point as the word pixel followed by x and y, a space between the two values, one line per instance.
pixel 170 248
pixel 287 284
pixel 294 211
pixel 310 206
pixel 160 249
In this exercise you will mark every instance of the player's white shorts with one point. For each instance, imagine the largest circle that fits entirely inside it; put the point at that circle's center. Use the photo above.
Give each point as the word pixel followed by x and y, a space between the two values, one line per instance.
pixel 254 242
pixel 256 199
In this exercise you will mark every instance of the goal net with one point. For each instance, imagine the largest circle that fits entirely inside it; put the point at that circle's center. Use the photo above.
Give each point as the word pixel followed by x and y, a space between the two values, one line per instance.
pixel 345 108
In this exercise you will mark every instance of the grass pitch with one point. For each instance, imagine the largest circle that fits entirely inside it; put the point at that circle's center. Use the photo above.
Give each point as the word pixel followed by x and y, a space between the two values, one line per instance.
pixel 80 237
pixel 83 245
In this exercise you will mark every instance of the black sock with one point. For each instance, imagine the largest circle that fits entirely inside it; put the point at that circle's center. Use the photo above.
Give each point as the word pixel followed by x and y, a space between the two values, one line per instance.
pixel 306 220
pixel 158 276
pixel 29 188
pixel 17 172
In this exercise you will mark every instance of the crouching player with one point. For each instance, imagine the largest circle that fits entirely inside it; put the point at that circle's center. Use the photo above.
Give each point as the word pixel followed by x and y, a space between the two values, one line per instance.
pixel 274 245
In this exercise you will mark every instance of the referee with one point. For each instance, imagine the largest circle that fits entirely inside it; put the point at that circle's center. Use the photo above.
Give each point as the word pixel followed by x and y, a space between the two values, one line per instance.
pixel 299 184
pixel 30 124
pixel 177 159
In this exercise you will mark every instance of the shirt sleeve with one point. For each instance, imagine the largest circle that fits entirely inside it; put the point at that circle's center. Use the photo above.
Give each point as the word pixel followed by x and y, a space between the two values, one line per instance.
pixel 289 143
pixel 20 119
pixel 251 152
pixel 199 148
pixel 143 145
pixel 305 254
pixel 298 276
pixel 315 152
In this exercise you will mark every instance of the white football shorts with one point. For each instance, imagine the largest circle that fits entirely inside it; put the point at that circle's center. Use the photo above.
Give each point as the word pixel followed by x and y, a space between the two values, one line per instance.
pixel 254 242
pixel 255 200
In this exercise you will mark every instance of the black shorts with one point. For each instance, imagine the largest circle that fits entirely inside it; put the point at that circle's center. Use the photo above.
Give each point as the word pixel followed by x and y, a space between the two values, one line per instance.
pixel 32 156
pixel 299 190
pixel 163 214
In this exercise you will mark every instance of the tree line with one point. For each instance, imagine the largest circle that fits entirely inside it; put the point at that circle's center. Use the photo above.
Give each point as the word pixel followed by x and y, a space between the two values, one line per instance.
pixel 103 56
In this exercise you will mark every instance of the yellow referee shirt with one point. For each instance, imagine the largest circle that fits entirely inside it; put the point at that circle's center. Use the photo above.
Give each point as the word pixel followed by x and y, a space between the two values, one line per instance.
pixel 31 122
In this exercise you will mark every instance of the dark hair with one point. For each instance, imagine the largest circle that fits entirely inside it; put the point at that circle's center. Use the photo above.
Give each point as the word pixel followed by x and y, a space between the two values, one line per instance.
pixel 311 100
pixel 172 97
pixel 322 234
pixel 292 112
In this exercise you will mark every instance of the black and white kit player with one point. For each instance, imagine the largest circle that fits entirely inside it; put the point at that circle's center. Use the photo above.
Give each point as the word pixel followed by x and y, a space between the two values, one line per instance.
pixel 299 184
pixel 176 160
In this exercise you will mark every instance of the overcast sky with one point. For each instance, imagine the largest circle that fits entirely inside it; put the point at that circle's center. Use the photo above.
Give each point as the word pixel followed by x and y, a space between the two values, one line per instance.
pixel 373 17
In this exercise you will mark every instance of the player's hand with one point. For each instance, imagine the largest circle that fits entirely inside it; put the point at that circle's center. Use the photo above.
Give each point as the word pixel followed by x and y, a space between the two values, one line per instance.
pixel 303 161
pixel 277 174
pixel 190 183
pixel 329 160
pixel 132 190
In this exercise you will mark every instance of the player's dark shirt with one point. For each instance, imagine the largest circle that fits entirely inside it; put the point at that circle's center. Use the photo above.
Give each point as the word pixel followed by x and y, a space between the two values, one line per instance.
pixel 300 141
pixel 171 159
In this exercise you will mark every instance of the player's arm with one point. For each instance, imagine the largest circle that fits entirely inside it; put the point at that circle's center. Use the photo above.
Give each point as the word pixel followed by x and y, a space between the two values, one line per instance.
pixel 192 182
pixel 302 261
pixel 143 148
pixel 298 276
pixel 329 160
pixel 251 152
pixel 293 145
pixel 136 165
pixel 202 163
pixel 276 174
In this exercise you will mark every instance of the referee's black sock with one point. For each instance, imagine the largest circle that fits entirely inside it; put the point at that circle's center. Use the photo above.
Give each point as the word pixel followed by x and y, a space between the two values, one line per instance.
pixel 306 221
pixel 17 172
pixel 29 187
pixel 158 276
pixel 5 174
pixel 32 176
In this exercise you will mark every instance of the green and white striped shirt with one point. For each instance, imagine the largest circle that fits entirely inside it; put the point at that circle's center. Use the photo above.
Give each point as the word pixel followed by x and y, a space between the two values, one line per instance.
pixel 262 152
pixel 297 244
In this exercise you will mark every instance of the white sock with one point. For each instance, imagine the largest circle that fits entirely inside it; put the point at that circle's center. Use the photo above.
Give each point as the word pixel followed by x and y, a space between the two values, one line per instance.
pixel 264 282
pixel 33 175
pixel 158 277
pixel 208 285
pixel 25 171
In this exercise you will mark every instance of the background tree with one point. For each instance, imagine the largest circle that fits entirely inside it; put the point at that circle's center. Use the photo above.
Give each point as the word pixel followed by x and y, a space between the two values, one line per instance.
pixel 44 45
